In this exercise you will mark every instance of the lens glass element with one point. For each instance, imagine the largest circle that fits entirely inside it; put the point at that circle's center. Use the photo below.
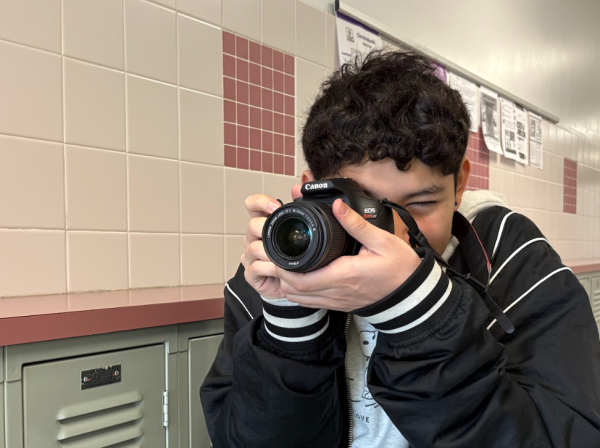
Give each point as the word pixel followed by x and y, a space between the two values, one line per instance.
pixel 292 237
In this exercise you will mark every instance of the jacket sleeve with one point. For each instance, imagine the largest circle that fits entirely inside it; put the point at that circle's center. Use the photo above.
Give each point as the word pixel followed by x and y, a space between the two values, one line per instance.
pixel 445 380
pixel 273 382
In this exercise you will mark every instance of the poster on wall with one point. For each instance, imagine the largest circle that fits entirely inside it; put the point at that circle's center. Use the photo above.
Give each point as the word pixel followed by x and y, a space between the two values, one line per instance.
pixel 490 120
pixel 354 38
pixel 469 93
pixel 522 134
pixel 509 129
pixel 535 140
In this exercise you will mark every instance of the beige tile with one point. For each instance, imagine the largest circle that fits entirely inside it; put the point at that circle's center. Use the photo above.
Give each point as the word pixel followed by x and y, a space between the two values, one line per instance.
pixel 202 259
pixel 153 260
pixel 309 77
pixel 495 180
pixel 166 3
pixel 243 17
pixel 201 137
pixel 234 248
pixel 207 10
pixel 96 189
pixel 150 41
pixel 540 195
pixel 279 24
pixel 279 187
pixel 32 262
pixel 97 261
pixel 202 199
pixel 31 93
pixel 152 118
pixel 153 195
pixel 550 139
pixel 31 22
pixel 238 186
pixel 93 31
pixel 311 41
pixel 555 197
pixel 200 65
pixel 31 184
pixel 526 186
pixel 331 51
pixel 94 105
pixel 561 144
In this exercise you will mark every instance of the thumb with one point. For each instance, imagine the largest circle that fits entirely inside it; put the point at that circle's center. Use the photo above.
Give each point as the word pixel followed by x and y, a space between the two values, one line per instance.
pixel 360 229
pixel 296 191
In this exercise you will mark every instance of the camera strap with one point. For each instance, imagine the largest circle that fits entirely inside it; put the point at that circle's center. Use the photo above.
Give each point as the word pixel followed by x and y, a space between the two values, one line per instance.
pixel 477 258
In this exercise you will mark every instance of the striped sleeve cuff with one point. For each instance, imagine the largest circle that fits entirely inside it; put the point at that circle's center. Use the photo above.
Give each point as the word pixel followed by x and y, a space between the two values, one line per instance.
pixel 292 327
pixel 417 306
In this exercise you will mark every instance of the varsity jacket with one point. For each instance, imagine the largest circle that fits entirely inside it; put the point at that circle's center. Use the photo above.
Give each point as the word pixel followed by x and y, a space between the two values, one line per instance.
pixel 445 372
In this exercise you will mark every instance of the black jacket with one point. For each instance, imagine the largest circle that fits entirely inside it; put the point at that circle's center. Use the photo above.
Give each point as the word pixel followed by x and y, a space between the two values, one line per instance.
pixel 445 380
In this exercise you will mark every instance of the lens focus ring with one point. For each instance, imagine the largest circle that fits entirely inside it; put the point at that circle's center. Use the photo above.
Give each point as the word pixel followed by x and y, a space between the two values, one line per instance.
pixel 339 237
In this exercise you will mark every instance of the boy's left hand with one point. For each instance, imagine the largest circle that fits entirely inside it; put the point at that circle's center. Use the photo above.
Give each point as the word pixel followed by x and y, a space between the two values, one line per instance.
pixel 385 262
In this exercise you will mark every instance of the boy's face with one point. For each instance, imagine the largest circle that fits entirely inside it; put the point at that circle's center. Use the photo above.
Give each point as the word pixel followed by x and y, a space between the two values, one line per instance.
pixel 426 194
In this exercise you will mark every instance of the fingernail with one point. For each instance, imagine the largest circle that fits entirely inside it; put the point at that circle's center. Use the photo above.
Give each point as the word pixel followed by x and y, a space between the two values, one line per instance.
pixel 344 209
pixel 273 205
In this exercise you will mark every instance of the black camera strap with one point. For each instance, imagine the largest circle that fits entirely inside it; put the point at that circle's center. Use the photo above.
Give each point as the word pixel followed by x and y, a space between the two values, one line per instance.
pixel 477 259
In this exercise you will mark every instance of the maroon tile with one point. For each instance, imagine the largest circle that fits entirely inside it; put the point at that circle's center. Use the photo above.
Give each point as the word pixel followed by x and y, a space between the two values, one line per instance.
pixel 255 160
pixel 255 115
pixel 278 164
pixel 243 136
pixel 267 120
pixel 243 114
pixel 278 144
pixel 289 85
pixel 229 111
pixel 485 171
pixel 278 123
pixel 242 69
pixel 288 125
pixel 267 162
pixel 289 106
pixel 243 158
pixel 230 156
pixel 255 135
pixel 255 95
pixel 288 64
pixel 255 52
pixel 255 74
pixel 230 134
pixel 267 78
pixel 267 99
pixel 289 167
pixel 278 102
pixel 228 43
pixel 278 60
pixel 229 89
pixel 228 66
pixel 267 57
pixel 277 81
pixel 267 141
pixel 241 47
pixel 242 92
pixel 289 146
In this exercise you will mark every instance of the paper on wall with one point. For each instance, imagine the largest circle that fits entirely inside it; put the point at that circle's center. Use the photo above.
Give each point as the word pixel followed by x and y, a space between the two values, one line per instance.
pixel 509 129
pixel 469 93
pixel 354 38
pixel 522 140
pixel 489 120
pixel 535 140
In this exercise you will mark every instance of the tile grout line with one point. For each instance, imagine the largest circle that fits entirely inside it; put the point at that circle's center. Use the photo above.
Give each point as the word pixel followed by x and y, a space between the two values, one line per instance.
pixel 64 135
pixel 127 153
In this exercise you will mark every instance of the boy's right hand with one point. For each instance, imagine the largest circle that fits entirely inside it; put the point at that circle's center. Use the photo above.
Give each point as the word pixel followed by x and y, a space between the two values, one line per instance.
pixel 260 272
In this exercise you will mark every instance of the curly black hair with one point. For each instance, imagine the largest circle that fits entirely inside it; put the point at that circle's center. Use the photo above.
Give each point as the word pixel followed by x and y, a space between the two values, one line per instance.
pixel 387 104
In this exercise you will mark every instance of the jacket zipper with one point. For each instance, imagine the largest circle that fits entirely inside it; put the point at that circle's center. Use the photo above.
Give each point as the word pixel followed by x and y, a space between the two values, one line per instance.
pixel 350 419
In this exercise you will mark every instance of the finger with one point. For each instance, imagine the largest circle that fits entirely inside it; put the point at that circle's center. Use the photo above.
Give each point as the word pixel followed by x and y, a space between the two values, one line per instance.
pixel 315 282
pixel 256 251
pixel 313 301
pixel 360 229
pixel 296 191
pixel 260 269
pixel 254 230
pixel 260 205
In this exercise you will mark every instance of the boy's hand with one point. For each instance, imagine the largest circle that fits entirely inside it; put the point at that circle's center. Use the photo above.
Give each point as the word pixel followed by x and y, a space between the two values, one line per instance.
pixel 384 262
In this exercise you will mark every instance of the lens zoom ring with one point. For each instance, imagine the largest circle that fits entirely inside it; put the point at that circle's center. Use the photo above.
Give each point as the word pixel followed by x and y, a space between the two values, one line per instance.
pixel 338 235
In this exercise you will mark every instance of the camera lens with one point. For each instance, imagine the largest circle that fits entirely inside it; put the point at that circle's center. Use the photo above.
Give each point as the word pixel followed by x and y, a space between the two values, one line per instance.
pixel 292 237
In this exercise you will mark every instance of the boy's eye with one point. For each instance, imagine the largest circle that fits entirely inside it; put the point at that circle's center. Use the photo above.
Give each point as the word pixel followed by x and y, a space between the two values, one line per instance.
pixel 422 204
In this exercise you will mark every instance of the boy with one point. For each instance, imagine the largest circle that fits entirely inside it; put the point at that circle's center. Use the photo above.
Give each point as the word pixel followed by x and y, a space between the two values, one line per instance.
pixel 385 348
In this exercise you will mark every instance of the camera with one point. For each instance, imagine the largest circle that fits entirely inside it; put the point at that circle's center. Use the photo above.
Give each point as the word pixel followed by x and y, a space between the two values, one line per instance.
pixel 304 235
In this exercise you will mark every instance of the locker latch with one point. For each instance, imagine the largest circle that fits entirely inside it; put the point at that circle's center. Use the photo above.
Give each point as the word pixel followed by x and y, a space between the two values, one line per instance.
pixel 165 401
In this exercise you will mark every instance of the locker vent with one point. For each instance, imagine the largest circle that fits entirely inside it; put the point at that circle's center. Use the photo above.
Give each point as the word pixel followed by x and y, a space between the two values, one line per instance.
pixel 102 423
pixel 596 299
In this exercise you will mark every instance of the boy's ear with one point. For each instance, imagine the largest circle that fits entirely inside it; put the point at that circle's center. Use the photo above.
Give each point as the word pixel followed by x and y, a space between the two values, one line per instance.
pixel 461 180
pixel 307 176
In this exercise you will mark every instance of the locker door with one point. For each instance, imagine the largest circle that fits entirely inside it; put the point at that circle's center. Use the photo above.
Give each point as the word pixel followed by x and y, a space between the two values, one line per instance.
pixel 202 352
pixel 124 408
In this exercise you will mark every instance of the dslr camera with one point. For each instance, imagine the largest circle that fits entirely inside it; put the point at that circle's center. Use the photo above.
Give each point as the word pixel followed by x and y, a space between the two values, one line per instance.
pixel 304 235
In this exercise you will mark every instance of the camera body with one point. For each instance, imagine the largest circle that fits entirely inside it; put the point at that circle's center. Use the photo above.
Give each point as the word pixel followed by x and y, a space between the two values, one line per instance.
pixel 304 235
